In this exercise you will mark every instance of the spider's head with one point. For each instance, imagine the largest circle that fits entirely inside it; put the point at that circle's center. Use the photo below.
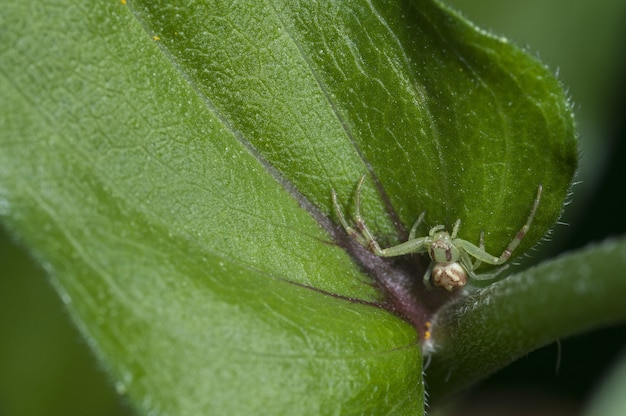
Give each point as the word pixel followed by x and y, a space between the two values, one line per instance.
pixel 442 248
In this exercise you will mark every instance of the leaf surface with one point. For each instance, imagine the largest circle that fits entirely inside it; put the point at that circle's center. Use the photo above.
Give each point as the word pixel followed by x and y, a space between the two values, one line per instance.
pixel 171 166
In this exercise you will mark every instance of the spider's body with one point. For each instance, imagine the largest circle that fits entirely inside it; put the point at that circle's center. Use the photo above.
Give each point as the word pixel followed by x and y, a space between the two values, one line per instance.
pixel 446 267
pixel 451 257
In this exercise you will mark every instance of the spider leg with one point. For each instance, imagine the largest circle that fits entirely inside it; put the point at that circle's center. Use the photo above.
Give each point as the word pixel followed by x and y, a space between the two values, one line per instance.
pixel 427 275
pixel 477 252
pixel 487 276
pixel 365 237
pixel 342 219
pixel 482 247
pixel 417 224
pixel 417 245
pixel 466 262
pixel 362 233
pixel 455 229
pixel 506 254
pixel 480 254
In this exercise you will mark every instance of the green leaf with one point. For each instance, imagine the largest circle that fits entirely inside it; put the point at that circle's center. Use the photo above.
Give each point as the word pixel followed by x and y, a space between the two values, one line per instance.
pixel 610 400
pixel 171 166
pixel 448 120
pixel 496 325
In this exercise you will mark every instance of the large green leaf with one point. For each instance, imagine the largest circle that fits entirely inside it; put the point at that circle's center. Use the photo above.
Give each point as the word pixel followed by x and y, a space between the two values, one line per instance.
pixel 171 166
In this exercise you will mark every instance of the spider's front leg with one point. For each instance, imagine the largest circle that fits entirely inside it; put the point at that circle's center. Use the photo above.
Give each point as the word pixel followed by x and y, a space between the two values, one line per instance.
pixel 481 255
pixel 344 223
pixel 522 232
pixel 364 236
pixel 370 241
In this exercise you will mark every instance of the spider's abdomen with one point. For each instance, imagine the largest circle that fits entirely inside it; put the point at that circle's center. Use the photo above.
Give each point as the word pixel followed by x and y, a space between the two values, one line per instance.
pixel 450 276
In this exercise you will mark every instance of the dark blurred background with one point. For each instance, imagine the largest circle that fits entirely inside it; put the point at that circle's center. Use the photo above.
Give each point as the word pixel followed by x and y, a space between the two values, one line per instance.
pixel 47 369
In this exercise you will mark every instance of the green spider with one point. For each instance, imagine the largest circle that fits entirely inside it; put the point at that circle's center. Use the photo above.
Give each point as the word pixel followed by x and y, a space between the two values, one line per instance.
pixel 451 257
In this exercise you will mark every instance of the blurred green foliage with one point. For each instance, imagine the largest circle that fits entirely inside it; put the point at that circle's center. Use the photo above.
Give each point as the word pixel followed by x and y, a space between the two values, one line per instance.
pixel 47 369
